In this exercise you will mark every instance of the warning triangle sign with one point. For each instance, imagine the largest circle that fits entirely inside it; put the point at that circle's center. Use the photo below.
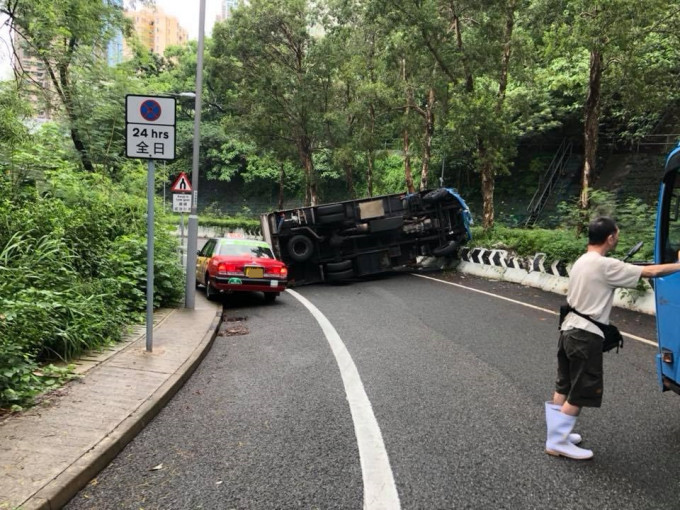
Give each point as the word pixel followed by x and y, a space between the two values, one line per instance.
pixel 181 184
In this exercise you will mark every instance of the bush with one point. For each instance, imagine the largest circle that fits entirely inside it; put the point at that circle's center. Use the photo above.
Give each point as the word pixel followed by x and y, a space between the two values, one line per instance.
pixel 635 219
pixel 73 272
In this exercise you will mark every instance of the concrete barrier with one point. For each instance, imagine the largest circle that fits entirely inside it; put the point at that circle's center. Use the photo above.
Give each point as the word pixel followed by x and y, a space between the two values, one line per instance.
pixel 531 272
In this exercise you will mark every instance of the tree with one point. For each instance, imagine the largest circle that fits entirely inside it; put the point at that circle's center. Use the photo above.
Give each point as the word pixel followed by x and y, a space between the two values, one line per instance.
pixel 269 75
pixel 617 37
pixel 13 132
pixel 64 35
pixel 470 46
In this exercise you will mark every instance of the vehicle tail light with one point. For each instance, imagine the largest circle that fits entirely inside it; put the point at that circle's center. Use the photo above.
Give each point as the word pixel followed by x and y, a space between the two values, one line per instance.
pixel 666 356
pixel 284 271
pixel 226 268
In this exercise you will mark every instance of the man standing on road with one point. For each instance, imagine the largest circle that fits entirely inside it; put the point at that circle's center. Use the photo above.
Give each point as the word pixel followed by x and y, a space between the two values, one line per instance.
pixel 592 282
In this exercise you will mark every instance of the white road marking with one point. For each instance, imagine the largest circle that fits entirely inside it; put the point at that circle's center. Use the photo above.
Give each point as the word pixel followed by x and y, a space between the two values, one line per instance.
pixel 380 491
pixel 628 335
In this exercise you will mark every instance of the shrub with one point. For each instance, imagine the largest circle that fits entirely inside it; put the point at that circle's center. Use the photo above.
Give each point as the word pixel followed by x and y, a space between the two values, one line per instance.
pixel 73 272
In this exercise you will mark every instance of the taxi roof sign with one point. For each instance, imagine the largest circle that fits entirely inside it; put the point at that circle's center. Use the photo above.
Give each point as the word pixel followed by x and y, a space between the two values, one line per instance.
pixel 181 184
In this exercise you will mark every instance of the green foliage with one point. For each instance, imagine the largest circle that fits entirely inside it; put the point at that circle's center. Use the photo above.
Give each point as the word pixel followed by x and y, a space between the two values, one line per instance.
pixel 21 379
pixel 557 244
pixel 635 219
pixel 249 225
pixel 72 271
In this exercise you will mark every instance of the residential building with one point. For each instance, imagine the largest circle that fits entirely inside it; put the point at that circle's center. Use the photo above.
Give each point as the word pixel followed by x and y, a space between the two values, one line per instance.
pixel 227 7
pixel 33 71
pixel 156 30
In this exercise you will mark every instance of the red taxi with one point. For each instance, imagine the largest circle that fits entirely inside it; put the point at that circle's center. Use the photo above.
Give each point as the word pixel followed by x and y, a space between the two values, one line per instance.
pixel 235 265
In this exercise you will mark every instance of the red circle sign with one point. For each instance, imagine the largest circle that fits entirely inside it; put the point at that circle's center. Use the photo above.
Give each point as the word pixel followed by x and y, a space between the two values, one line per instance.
pixel 150 110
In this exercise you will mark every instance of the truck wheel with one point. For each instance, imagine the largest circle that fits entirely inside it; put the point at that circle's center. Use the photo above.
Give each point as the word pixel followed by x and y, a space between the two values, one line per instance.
pixel 340 275
pixel 445 250
pixel 300 248
pixel 436 196
pixel 336 267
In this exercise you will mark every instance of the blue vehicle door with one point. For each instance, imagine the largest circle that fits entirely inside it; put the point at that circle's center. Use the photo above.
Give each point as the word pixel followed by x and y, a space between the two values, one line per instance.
pixel 667 288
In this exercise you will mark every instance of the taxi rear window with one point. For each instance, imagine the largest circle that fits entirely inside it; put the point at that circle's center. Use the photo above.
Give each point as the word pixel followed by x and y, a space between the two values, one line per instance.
pixel 244 249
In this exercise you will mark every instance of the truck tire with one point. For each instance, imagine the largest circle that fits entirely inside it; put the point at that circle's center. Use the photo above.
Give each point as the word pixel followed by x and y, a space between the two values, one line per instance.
pixel 435 196
pixel 326 210
pixel 337 267
pixel 300 248
pixel 340 275
pixel 445 250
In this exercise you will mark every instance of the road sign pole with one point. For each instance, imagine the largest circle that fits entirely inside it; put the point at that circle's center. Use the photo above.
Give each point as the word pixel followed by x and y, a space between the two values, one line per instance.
pixel 150 185
pixel 181 234
pixel 192 234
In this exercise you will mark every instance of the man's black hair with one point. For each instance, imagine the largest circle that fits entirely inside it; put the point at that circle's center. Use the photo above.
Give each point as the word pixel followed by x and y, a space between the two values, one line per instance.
pixel 600 229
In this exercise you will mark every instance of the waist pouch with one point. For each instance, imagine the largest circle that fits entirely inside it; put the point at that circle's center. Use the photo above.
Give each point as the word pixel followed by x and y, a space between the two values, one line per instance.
pixel 612 335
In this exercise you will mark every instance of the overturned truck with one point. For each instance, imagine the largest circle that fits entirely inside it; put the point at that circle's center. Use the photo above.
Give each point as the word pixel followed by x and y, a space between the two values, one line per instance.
pixel 344 240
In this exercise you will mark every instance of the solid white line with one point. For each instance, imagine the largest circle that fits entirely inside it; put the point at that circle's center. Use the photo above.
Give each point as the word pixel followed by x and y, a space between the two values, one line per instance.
pixel 380 491
pixel 629 335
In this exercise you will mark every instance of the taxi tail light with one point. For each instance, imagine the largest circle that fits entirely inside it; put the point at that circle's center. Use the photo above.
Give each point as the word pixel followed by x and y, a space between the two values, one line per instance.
pixel 666 356
pixel 224 267
pixel 284 271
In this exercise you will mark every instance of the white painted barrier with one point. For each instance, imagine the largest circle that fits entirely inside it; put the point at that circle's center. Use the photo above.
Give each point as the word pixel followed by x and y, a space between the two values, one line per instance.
pixel 509 270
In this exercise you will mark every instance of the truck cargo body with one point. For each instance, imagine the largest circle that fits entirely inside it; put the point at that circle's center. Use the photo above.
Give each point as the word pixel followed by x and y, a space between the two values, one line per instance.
pixel 355 238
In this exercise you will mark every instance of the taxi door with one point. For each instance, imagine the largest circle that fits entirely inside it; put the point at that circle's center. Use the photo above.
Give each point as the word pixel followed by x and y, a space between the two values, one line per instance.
pixel 203 258
pixel 667 288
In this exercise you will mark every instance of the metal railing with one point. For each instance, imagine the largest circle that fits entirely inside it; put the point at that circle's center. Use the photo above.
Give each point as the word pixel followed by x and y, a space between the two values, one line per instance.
pixel 548 180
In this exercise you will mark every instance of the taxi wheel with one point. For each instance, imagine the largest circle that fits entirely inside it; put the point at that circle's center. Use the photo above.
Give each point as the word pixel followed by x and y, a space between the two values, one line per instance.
pixel 210 292
pixel 269 297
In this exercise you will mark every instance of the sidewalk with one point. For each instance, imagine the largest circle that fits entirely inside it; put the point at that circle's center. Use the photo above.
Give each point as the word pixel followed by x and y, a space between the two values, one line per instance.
pixel 49 453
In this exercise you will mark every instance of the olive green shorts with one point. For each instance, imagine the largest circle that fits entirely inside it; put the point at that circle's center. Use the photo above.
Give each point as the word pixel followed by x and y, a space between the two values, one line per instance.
pixel 579 368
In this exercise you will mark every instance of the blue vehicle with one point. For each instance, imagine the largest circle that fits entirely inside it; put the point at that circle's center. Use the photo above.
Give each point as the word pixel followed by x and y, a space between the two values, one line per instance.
pixel 667 288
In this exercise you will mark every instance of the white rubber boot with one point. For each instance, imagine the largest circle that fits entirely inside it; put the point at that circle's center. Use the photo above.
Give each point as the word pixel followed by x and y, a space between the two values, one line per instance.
pixel 573 437
pixel 559 427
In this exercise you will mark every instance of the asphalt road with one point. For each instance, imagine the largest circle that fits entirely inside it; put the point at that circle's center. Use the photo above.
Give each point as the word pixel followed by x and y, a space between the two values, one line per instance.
pixel 456 380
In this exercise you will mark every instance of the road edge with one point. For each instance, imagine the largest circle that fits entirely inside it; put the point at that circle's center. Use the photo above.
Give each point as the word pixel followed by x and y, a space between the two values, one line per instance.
pixel 58 492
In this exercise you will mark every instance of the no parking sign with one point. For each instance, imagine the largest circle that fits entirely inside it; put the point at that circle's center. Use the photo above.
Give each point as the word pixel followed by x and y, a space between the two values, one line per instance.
pixel 150 127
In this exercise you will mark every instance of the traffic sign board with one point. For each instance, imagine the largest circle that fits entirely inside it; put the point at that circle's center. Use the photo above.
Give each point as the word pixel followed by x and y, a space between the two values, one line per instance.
pixel 181 184
pixel 150 142
pixel 150 127
pixel 150 110
pixel 181 203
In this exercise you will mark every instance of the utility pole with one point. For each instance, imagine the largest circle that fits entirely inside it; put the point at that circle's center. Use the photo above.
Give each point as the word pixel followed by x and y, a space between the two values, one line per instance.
pixel 192 227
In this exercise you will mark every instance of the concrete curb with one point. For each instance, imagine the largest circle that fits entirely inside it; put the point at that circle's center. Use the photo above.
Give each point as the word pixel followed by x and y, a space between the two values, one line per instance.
pixel 66 485
pixel 531 272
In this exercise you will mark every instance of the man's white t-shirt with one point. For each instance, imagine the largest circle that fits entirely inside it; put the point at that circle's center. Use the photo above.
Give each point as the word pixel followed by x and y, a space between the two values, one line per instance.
pixel 592 282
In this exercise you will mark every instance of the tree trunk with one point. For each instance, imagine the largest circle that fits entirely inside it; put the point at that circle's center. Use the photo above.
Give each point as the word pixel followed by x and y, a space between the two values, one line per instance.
pixel 408 173
pixel 282 179
pixel 304 150
pixel 407 164
pixel 488 184
pixel 591 125
pixel 63 87
pixel 369 175
pixel 427 143
pixel 349 178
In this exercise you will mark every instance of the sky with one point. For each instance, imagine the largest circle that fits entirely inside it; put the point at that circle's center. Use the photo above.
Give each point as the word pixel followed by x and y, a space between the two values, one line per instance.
pixel 185 11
